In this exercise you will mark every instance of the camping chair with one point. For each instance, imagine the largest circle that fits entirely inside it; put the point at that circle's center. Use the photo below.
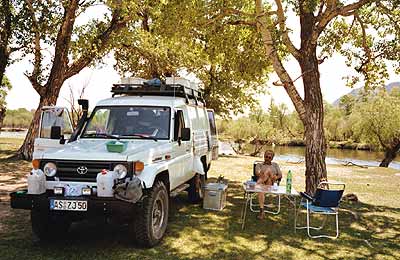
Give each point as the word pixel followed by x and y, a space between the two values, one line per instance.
pixel 325 202
pixel 254 207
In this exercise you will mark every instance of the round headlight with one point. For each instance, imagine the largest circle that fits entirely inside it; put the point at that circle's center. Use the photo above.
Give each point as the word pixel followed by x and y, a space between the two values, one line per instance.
pixel 50 169
pixel 121 170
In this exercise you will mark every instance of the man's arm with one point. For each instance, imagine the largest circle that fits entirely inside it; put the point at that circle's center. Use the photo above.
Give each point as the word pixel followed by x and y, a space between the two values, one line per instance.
pixel 278 171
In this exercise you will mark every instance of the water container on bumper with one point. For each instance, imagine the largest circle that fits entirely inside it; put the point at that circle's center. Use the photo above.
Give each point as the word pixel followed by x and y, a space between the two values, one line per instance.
pixel 105 182
pixel 36 182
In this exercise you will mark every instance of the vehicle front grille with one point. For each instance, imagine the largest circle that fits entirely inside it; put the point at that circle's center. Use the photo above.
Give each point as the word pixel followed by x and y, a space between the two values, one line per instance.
pixel 68 170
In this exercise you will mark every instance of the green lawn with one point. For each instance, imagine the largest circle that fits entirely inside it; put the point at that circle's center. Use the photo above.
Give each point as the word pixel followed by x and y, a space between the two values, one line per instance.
pixel 370 229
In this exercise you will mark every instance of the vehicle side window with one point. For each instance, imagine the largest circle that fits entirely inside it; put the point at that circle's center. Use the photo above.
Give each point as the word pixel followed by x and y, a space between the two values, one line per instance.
pixel 178 124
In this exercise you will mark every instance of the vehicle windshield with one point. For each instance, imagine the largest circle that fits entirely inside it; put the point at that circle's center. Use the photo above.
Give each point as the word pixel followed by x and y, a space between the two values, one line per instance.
pixel 129 122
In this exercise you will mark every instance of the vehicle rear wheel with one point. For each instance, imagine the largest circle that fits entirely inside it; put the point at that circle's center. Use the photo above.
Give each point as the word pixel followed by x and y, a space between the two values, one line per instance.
pixel 47 227
pixel 152 219
pixel 196 188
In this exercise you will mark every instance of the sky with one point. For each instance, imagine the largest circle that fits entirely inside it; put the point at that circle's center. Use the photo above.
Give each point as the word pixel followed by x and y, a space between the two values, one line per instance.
pixel 98 81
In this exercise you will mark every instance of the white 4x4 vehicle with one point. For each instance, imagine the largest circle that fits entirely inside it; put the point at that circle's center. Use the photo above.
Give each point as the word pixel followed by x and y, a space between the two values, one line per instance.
pixel 169 139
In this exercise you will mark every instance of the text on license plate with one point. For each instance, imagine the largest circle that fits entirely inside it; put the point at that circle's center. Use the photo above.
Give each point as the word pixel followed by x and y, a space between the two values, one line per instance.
pixel 75 205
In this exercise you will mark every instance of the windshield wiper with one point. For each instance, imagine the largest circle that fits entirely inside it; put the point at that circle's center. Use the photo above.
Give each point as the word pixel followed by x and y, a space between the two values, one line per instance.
pixel 102 135
pixel 143 136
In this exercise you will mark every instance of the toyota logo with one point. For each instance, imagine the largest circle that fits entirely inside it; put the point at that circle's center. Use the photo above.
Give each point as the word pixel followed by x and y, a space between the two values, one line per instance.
pixel 82 170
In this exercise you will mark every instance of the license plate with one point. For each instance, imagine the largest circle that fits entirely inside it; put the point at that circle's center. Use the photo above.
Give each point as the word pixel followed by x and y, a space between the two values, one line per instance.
pixel 73 205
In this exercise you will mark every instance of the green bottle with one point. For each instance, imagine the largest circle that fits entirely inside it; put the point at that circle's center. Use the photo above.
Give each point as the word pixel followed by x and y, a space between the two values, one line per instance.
pixel 289 182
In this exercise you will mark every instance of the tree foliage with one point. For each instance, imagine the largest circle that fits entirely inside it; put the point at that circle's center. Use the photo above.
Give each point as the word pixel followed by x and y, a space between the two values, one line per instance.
pixel 377 121
pixel 5 86
pixel 170 40
pixel 369 39
pixel 61 47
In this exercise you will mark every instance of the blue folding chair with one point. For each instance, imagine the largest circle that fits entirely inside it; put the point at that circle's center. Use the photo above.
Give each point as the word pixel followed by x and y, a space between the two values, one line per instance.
pixel 254 207
pixel 325 202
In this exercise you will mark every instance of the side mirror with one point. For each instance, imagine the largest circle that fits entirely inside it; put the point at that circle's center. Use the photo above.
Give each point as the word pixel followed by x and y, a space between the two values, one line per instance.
pixel 55 132
pixel 185 134
pixel 84 103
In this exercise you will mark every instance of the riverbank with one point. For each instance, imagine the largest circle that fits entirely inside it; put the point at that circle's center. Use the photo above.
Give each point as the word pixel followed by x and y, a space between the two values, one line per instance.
pixel 369 228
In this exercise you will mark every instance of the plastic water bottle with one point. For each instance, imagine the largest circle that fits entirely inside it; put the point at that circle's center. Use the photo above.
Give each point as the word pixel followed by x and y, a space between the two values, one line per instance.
pixel 105 182
pixel 289 182
pixel 36 182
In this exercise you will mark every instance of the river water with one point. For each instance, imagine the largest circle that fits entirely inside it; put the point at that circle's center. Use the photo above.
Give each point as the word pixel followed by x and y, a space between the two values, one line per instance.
pixel 334 156
pixel 294 154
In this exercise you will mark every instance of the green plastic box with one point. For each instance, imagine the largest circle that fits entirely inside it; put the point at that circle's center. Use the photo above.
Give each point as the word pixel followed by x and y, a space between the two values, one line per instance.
pixel 116 146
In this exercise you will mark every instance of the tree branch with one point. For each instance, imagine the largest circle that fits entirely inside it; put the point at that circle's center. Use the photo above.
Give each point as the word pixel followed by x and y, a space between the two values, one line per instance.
pixel 63 42
pixel 364 38
pixel 272 54
pixel 285 37
pixel 37 63
pixel 242 22
pixel 100 43
pixel 332 11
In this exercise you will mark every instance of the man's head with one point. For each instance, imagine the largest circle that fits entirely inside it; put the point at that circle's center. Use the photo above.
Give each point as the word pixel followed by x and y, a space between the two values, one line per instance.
pixel 268 156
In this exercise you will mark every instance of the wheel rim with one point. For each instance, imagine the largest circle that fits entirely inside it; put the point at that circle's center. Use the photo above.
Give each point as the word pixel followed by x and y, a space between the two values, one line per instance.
pixel 158 215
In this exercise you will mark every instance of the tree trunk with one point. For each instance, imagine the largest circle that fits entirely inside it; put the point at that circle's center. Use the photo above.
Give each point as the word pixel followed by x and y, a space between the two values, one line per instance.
pixel 2 115
pixel 5 34
pixel 26 150
pixel 313 122
pixel 390 154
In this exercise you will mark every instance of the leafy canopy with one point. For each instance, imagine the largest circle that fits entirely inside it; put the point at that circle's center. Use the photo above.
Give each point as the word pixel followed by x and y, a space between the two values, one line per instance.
pixel 181 36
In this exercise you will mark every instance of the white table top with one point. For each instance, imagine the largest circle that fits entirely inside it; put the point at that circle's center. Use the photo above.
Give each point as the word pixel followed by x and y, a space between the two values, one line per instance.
pixel 269 189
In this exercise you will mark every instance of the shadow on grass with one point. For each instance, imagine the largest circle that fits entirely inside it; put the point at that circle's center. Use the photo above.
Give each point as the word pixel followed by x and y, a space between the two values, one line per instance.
pixel 367 231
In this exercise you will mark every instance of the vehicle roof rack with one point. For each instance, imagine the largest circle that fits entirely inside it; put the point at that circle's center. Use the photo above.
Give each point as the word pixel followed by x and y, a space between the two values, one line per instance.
pixel 171 87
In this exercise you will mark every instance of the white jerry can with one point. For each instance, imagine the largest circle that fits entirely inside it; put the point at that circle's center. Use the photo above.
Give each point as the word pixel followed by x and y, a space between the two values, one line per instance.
pixel 36 182
pixel 105 182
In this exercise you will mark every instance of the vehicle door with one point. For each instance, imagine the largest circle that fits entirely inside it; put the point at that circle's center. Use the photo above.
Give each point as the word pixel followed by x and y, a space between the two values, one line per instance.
pixel 182 155
pixel 214 134
pixel 55 128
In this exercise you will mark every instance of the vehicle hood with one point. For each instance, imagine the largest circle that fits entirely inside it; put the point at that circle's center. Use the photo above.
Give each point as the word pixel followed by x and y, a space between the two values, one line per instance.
pixel 96 150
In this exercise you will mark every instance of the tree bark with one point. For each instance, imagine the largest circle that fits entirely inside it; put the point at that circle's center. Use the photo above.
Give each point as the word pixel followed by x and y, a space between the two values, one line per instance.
pixel 313 102
pixel 2 115
pixel 313 124
pixel 5 34
pixel 390 154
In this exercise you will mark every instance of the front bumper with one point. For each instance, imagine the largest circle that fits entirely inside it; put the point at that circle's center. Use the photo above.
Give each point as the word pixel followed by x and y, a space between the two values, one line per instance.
pixel 97 206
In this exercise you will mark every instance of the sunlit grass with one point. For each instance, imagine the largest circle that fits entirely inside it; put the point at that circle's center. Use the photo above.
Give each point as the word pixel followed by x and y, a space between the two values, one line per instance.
pixel 370 229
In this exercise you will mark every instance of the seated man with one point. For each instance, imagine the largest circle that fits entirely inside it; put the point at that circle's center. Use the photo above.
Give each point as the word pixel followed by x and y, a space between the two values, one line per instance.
pixel 268 172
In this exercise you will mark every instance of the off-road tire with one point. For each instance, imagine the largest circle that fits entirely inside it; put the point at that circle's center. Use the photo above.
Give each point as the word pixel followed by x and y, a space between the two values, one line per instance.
pixel 47 227
pixel 149 226
pixel 196 188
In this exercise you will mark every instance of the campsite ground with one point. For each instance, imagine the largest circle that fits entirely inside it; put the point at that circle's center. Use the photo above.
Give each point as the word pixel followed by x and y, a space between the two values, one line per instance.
pixel 370 228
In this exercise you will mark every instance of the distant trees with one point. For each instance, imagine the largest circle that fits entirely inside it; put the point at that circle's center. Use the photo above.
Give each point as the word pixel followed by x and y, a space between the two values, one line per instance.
pixel 370 119
pixel 275 126
pixel 18 118
pixel 376 120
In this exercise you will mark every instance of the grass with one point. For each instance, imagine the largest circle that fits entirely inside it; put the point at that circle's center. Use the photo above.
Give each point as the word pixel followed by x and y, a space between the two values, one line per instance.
pixel 370 228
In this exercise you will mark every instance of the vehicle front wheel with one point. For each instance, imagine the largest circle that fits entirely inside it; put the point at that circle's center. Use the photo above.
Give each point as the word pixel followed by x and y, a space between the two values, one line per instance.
pixel 152 219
